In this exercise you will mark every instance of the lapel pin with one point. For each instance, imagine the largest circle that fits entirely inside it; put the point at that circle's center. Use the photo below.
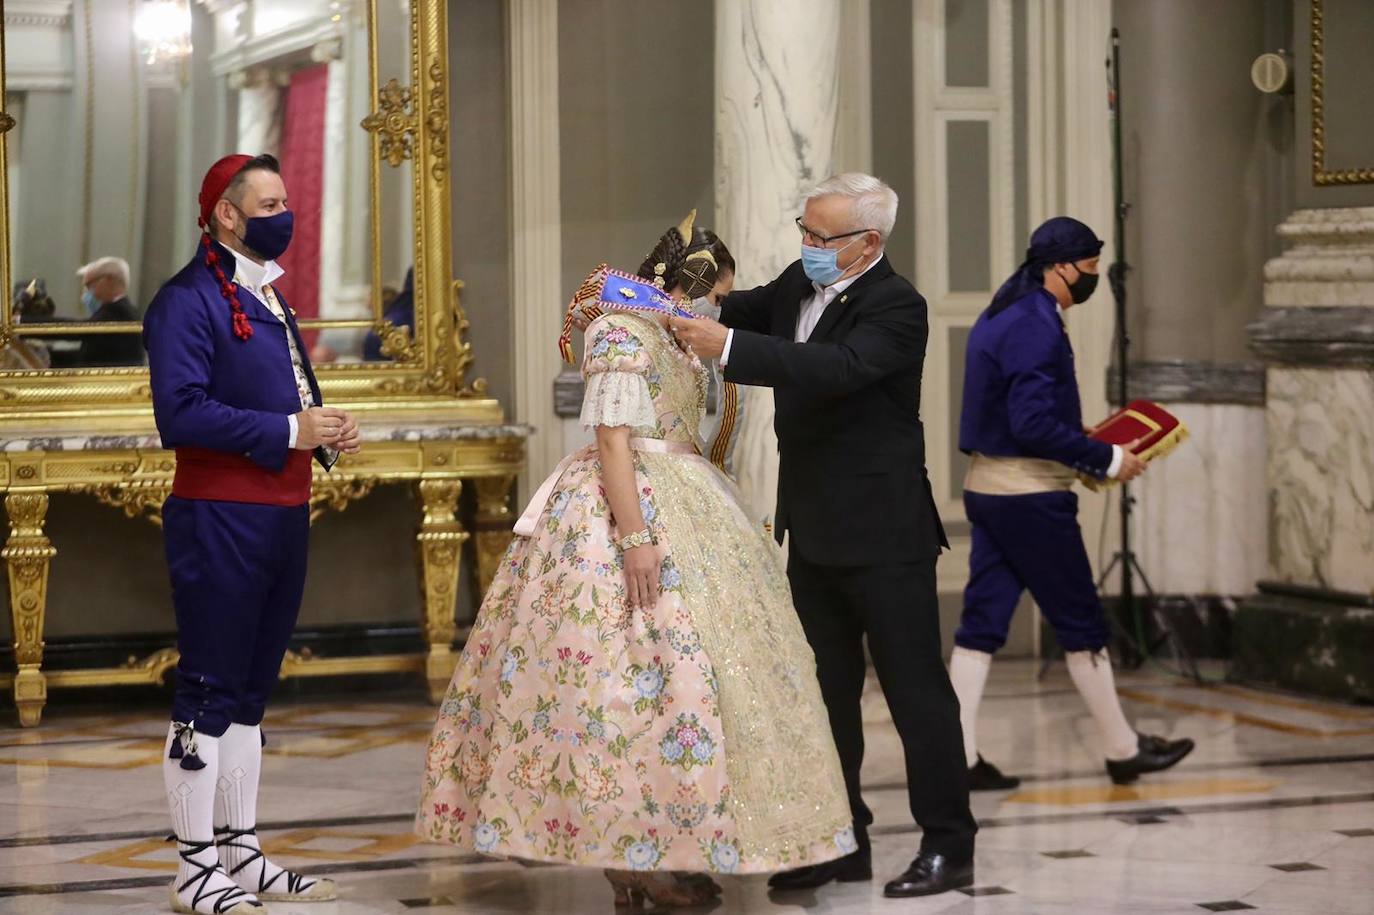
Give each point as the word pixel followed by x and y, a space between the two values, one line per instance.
pixel 844 298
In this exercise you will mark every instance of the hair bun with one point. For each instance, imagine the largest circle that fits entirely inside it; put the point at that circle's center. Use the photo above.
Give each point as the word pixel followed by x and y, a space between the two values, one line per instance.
pixel 698 273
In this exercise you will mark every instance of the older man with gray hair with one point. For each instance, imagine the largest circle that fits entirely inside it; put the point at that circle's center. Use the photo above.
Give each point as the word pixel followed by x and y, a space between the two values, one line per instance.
pixel 105 296
pixel 841 339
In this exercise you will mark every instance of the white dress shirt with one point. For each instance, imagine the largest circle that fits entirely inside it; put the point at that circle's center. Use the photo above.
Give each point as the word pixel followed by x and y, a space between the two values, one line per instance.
pixel 812 309
pixel 255 278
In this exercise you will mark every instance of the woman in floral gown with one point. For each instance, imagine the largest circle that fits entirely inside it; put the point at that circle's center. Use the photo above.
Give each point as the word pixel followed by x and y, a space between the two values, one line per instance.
pixel 637 693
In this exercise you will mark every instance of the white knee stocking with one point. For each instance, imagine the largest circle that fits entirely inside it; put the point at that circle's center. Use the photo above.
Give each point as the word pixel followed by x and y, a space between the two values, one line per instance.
pixel 1092 675
pixel 236 821
pixel 968 671
pixel 201 886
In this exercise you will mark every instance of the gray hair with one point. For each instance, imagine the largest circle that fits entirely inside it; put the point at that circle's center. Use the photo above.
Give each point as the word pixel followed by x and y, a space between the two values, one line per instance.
pixel 116 267
pixel 874 203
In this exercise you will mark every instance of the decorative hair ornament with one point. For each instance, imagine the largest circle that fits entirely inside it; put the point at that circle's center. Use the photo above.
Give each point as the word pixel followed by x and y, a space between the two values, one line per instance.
pixel 684 228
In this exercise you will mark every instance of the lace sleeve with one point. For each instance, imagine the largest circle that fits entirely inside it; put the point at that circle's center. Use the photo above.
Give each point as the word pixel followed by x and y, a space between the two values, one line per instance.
pixel 617 368
pixel 618 399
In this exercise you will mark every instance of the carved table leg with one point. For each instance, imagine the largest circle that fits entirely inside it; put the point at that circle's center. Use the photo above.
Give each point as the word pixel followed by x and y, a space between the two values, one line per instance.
pixel 440 543
pixel 493 526
pixel 27 554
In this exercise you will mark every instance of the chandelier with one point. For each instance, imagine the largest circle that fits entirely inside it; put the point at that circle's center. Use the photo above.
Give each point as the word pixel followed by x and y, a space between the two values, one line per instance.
pixel 163 30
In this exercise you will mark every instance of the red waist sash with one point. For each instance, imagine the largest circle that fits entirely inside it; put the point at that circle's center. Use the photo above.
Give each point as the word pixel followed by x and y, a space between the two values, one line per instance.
pixel 214 475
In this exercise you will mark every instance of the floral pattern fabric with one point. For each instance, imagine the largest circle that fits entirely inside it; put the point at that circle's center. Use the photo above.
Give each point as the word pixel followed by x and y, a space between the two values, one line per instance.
pixel 687 737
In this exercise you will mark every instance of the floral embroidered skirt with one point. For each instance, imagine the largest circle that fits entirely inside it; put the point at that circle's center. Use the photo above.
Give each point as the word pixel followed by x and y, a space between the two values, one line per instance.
pixel 687 737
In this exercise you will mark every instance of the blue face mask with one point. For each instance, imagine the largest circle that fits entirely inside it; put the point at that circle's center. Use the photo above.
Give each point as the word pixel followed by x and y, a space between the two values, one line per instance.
pixel 91 303
pixel 821 264
pixel 269 236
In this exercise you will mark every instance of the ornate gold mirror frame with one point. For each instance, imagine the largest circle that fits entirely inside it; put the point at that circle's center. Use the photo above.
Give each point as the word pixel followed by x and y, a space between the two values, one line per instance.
pixel 407 123
pixel 1321 175
pixel 90 430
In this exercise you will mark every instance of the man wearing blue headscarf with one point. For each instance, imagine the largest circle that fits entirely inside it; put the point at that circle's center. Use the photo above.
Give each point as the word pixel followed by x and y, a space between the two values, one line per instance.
pixel 1022 425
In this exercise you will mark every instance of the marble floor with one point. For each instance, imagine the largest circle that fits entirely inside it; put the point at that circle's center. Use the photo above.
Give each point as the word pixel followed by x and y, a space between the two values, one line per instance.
pixel 1274 812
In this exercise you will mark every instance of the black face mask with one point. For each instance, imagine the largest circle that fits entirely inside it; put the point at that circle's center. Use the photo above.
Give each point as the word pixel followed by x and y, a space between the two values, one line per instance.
pixel 1081 289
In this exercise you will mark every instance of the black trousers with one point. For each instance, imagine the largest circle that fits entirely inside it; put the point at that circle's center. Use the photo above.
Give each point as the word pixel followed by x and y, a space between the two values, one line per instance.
pixel 895 606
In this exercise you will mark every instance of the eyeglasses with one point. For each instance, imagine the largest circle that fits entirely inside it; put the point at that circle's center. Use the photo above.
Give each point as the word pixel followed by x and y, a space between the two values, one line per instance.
pixel 825 239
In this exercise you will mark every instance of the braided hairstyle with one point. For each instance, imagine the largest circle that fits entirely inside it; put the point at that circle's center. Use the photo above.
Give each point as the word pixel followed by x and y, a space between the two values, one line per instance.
pixel 693 266
pixel 230 185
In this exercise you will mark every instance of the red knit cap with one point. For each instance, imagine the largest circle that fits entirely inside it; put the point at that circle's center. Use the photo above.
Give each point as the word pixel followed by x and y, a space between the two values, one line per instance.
pixel 216 180
pixel 211 190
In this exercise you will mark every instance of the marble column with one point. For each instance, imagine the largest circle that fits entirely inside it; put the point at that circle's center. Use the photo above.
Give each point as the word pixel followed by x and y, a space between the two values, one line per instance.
pixel 536 214
pixel 777 77
pixel 260 101
pixel 1317 336
pixel 1311 626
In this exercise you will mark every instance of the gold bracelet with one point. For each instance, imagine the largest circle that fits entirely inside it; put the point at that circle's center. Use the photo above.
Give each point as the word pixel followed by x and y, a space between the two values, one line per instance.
pixel 638 538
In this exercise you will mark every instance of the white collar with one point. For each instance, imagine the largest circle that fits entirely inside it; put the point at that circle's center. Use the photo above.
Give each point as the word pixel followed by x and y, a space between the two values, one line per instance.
pixel 252 275
pixel 834 289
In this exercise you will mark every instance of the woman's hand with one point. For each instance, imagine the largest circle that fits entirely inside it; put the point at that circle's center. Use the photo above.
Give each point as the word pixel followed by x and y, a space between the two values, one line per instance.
pixel 642 569
pixel 641 562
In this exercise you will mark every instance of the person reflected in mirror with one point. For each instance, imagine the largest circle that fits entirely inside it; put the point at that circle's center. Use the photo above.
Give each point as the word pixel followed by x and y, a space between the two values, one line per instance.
pixel 234 393
pixel 105 297
pixel 399 312
pixel 30 304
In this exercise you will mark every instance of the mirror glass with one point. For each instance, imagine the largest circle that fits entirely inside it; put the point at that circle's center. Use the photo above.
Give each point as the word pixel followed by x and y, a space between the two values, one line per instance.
pixel 118 110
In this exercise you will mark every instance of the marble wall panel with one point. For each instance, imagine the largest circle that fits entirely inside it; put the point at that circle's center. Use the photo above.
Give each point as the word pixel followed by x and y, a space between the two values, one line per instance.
pixel 1321 477
pixel 1202 516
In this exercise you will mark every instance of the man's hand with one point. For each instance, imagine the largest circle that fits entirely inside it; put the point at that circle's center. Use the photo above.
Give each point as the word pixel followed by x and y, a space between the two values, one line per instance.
pixel 350 439
pixel 321 426
pixel 1131 465
pixel 702 336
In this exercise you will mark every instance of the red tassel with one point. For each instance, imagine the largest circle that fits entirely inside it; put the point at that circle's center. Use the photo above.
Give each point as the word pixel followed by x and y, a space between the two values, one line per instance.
pixel 242 328
pixel 239 321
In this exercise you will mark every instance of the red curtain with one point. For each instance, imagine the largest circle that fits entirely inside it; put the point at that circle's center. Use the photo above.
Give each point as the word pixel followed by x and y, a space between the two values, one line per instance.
pixel 302 170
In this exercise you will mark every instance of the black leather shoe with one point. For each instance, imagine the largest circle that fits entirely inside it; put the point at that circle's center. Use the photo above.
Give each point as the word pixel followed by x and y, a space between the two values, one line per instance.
pixel 851 868
pixel 930 874
pixel 984 776
pixel 1155 754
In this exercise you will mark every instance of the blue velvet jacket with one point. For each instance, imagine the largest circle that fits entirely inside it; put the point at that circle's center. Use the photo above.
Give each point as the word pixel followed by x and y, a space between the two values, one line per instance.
pixel 211 389
pixel 1020 392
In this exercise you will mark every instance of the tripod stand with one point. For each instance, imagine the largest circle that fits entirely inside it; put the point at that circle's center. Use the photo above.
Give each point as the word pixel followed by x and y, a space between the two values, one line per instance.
pixel 1125 558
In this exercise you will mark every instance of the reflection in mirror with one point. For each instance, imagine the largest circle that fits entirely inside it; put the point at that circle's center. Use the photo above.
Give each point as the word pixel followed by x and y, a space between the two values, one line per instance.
pixel 121 107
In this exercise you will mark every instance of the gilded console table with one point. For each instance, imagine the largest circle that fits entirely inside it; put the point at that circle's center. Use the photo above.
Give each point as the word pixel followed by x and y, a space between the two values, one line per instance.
pixel 133 473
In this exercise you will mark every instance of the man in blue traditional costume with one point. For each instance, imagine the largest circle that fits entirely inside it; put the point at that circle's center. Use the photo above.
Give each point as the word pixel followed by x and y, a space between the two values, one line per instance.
pixel 234 395
pixel 1022 424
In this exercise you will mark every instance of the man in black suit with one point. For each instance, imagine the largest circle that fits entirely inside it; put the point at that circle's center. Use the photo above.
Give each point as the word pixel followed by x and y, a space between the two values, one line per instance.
pixel 841 339
pixel 105 296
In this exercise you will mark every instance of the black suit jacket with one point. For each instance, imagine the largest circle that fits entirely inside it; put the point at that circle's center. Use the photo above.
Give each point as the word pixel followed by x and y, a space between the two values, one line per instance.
pixel 113 349
pixel 852 483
